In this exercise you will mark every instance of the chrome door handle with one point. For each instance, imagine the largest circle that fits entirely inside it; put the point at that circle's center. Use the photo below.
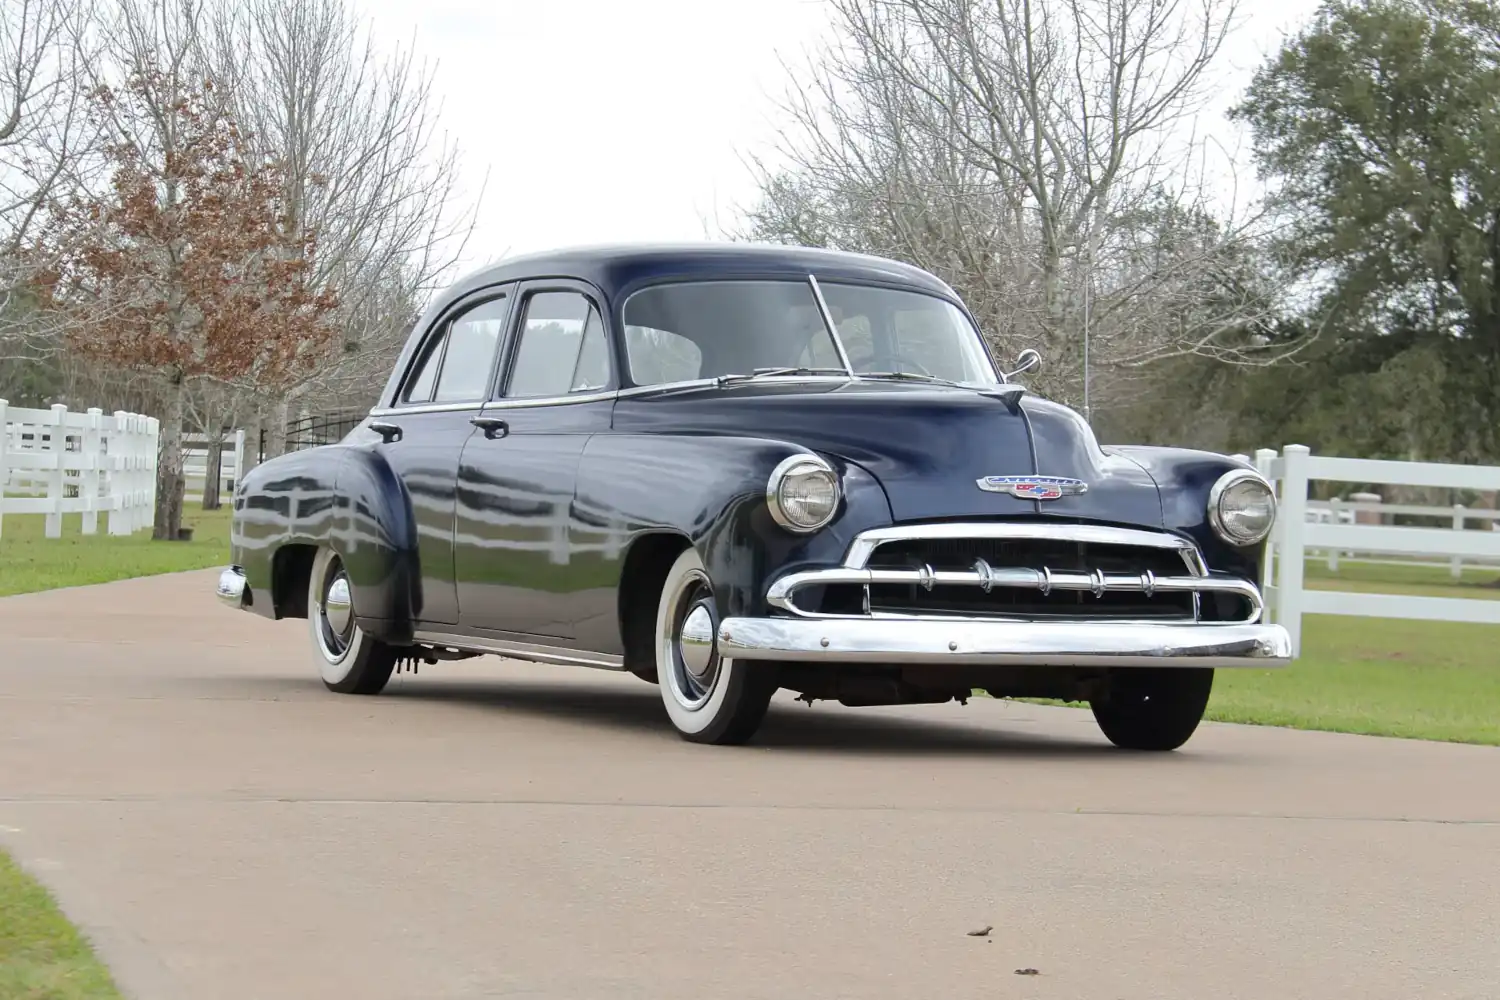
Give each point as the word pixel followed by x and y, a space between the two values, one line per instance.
pixel 493 427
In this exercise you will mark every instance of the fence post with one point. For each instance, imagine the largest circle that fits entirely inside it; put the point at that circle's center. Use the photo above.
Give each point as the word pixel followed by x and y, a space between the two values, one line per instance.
pixel 4 464
pixel 1264 457
pixel 88 476
pixel 239 461
pixel 114 477
pixel 1458 525
pixel 57 444
pixel 1333 518
pixel 1293 553
pixel 153 463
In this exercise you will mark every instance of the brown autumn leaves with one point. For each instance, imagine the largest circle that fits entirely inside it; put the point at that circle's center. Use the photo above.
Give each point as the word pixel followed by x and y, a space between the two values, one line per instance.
pixel 189 265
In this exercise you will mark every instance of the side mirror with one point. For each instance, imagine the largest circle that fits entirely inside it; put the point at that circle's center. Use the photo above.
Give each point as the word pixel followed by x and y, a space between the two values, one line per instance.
pixel 1027 361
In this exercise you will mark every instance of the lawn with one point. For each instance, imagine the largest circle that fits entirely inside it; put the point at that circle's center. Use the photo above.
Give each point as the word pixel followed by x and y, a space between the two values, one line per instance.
pixel 42 956
pixel 30 561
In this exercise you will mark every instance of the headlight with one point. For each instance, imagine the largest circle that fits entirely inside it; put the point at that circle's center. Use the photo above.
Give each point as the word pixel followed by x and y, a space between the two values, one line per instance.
pixel 1241 507
pixel 803 493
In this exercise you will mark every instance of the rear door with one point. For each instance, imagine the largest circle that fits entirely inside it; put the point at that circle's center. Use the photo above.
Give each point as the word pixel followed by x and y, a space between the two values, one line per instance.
pixel 524 568
pixel 442 393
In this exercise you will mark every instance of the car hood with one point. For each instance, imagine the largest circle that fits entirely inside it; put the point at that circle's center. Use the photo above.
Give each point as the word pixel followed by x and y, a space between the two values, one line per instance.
pixel 927 445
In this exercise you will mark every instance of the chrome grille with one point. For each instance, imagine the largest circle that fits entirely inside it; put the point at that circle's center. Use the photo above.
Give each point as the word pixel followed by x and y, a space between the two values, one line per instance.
pixel 1020 571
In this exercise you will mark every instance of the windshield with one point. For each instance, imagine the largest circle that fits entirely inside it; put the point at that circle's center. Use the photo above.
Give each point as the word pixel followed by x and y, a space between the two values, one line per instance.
pixel 706 329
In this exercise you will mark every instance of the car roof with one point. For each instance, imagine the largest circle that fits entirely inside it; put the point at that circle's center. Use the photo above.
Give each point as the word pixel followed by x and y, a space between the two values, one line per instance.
pixel 616 269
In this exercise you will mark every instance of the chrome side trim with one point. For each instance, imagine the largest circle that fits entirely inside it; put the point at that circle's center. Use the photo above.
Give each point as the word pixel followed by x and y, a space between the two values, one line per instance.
pixel 526 402
pixel 532 652
pixel 1020 644
pixel 396 411
pixel 231 588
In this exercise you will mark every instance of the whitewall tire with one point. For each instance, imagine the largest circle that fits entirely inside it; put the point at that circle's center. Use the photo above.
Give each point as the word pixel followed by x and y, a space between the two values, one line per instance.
pixel 709 699
pixel 348 660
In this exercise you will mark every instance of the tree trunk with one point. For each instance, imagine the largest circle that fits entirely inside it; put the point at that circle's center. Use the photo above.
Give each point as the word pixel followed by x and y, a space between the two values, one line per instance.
pixel 252 442
pixel 277 431
pixel 169 465
pixel 213 472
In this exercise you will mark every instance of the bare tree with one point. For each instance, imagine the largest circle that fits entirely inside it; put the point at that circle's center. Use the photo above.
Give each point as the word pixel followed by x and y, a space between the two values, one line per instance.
pixel 365 167
pixel 42 133
pixel 1033 153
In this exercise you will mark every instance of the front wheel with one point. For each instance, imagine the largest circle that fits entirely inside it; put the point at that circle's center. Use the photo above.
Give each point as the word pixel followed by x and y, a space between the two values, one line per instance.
pixel 1151 708
pixel 709 699
pixel 348 660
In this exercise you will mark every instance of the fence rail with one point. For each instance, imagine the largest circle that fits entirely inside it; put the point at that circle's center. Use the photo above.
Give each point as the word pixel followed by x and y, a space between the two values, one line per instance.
pixel 56 462
pixel 1295 534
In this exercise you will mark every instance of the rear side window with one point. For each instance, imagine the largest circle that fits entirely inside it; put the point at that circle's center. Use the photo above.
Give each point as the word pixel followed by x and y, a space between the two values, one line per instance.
pixel 424 375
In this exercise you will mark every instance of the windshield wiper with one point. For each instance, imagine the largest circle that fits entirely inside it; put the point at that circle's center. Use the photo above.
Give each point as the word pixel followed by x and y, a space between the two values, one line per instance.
pixel 917 376
pixel 769 372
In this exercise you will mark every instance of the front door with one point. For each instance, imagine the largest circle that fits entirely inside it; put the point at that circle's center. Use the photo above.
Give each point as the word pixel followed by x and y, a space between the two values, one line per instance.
pixel 521 567
pixel 433 414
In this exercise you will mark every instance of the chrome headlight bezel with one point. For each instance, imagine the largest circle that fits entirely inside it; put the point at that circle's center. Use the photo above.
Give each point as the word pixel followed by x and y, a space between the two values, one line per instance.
pixel 1227 481
pixel 803 463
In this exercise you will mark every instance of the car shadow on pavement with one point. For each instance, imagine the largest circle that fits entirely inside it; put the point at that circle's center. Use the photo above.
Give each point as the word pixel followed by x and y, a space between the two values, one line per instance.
pixel 787 726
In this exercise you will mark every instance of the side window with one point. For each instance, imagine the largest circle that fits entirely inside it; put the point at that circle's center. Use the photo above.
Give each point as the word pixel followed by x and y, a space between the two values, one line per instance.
pixel 473 337
pixel 562 347
pixel 424 374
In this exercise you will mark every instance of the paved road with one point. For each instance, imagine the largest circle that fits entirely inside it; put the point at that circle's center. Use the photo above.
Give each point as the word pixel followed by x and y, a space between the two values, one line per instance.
pixel 227 829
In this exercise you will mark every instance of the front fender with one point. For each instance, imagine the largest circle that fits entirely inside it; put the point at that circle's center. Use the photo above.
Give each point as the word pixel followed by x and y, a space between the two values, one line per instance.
pixel 711 490
pixel 1184 477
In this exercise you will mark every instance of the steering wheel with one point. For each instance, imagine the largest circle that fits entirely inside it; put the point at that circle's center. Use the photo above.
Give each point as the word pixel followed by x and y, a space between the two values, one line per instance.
pixel 903 363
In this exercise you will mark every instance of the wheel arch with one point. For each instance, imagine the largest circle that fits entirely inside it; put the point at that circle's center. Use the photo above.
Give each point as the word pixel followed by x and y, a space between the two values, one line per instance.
pixel 647 561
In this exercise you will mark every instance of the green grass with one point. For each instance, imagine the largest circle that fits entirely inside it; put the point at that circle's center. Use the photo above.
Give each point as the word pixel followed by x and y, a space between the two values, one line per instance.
pixel 1379 676
pixel 1419 581
pixel 42 956
pixel 30 561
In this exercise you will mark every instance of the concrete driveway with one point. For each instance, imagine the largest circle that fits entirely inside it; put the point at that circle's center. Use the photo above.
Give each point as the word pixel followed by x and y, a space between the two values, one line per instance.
pixel 224 828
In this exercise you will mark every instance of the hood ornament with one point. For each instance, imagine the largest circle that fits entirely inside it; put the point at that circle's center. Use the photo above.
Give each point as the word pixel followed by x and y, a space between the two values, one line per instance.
pixel 1033 487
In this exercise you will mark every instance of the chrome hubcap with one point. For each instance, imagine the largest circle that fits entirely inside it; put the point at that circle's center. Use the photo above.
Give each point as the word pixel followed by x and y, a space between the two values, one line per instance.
pixel 335 613
pixel 336 606
pixel 687 649
pixel 696 643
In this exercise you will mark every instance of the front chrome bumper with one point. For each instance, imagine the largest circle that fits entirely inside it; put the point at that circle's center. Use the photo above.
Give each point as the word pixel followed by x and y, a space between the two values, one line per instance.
pixel 231 589
pixel 1002 643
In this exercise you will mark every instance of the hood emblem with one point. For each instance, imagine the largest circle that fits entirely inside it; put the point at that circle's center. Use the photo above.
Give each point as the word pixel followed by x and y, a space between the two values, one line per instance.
pixel 1033 487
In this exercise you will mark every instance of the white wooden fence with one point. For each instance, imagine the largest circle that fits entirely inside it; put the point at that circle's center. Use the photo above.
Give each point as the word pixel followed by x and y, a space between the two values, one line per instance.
pixel 1342 511
pixel 57 462
pixel 1295 534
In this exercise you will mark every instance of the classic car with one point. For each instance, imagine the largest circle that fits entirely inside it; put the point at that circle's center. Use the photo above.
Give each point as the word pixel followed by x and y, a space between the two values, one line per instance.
pixel 735 469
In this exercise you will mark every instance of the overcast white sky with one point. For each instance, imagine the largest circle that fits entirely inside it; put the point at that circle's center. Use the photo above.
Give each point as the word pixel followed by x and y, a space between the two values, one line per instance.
pixel 603 120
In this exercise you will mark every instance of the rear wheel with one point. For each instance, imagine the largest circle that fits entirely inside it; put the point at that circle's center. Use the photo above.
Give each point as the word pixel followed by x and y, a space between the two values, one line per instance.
pixel 1153 708
pixel 710 699
pixel 348 660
